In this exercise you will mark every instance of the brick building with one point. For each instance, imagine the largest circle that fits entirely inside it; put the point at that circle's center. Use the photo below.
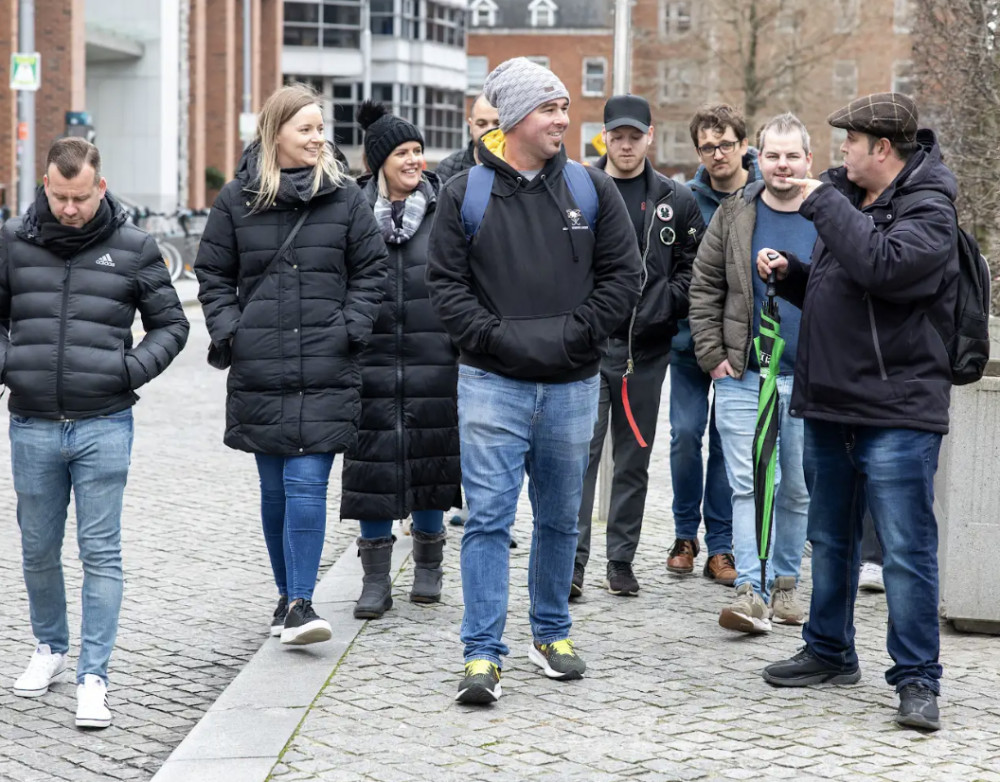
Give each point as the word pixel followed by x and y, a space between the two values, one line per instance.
pixel 161 80
pixel 572 37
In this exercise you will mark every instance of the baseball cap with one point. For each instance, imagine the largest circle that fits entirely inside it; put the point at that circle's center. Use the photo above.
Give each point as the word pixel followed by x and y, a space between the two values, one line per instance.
pixel 628 110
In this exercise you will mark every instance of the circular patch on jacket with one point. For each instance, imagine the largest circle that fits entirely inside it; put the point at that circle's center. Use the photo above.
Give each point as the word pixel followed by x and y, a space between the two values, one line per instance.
pixel 667 235
pixel 665 212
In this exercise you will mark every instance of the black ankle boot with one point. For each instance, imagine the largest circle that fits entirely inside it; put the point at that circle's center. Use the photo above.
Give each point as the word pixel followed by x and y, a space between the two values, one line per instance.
pixel 428 553
pixel 376 592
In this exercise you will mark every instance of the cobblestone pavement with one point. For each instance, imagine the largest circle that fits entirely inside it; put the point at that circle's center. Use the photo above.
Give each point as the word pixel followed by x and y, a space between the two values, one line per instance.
pixel 668 695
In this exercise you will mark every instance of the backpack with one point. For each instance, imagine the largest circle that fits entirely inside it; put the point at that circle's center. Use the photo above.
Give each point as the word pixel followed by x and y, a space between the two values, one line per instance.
pixel 480 186
pixel 967 336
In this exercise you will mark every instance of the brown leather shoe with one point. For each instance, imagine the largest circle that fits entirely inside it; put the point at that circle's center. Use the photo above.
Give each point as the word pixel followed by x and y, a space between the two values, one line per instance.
pixel 681 558
pixel 721 569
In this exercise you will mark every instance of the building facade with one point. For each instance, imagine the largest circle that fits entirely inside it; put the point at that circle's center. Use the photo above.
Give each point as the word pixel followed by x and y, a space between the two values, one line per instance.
pixel 574 38
pixel 411 51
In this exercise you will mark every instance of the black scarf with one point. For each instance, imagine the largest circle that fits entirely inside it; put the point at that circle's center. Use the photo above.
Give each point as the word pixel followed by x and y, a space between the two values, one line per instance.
pixel 66 241
pixel 296 185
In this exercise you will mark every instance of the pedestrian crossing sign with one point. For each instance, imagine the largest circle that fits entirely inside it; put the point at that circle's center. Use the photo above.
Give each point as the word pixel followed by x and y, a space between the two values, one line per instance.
pixel 25 71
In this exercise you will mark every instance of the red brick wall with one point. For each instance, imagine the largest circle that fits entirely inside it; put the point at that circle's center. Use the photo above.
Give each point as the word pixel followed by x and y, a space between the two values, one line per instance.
pixel 221 128
pixel 8 105
pixel 197 106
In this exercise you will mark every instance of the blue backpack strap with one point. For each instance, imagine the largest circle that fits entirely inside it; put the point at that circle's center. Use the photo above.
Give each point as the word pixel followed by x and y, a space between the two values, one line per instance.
pixel 477 197
pixel 582 188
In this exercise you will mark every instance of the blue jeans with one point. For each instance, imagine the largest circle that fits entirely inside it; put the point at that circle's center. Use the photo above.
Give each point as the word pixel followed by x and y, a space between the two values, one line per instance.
pixel 736 412
pixel 508 427
pixel 692 484
pixel 894 469
pixel 92 456
pixel 293 514
pixel 429 521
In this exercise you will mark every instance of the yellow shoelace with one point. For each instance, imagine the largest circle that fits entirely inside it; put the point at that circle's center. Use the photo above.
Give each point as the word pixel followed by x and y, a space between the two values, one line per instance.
pixel 474 667
pixel 560 647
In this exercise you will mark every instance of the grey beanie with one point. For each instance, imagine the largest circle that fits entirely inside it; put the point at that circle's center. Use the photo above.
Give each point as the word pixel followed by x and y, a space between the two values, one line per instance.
pixel 517 87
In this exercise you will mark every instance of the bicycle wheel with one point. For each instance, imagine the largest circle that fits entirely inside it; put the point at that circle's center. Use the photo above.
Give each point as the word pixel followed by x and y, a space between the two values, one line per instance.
pixel 172 258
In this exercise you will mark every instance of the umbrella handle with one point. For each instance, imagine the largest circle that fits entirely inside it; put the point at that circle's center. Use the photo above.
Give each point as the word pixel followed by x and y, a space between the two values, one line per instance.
pixel 772 278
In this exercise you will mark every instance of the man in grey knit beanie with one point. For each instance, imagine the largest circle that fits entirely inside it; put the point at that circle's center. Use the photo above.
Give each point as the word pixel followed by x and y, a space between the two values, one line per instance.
pixel 518 86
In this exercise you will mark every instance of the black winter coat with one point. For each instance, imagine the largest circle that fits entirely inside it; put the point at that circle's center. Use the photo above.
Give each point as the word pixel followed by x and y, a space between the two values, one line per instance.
pixel 294 385
pixel 455 163
pixel 672 230
pixel 407 456
pixel 868 353
pixel 66 325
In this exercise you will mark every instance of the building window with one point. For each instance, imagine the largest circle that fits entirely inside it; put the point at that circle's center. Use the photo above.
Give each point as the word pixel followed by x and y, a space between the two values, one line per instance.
pixel 538 59
pixel 678 80
pixel 902 11
pixel 409 103
pixel 483 13
pixel 542 13
pixel 382 17
pixel 595 76
pixel 588 132
pixel 675 18
pixel 674 144
pixel 478 69
pixel 846 15
pixel 331 24
pixel 443 118
pixel 411 20
pixel 903 78
pixel 446 25
pixel 837 138
pixel 845 79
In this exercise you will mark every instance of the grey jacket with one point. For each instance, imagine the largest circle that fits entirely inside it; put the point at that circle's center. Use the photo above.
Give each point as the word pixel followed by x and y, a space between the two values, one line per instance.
pixel 721 312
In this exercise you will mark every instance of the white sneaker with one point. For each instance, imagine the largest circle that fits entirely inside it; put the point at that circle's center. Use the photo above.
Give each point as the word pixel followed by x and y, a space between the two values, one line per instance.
pixel 92 703
pixel 43 669
pixel 870 579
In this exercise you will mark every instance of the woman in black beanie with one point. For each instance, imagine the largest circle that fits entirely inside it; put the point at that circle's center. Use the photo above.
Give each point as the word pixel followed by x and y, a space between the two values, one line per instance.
pixel 407 459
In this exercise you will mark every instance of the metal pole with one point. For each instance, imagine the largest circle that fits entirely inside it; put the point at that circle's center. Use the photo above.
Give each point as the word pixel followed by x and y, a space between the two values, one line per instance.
pixel 366 49
pixel 247 61
pixel 26 103
pixel 622 78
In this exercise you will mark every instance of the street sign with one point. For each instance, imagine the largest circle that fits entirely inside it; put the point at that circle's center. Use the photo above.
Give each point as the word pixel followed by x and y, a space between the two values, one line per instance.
pixel 597 142
pixel 248 126
pixel 25 71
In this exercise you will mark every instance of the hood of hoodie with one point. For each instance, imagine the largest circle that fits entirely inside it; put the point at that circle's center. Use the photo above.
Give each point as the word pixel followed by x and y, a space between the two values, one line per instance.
pixel 296 185
pixel 701 183
pixel 925 170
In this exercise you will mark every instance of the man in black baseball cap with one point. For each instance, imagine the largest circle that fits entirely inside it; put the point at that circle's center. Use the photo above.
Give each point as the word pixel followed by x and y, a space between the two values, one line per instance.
pixel 872 380
pixel 668 226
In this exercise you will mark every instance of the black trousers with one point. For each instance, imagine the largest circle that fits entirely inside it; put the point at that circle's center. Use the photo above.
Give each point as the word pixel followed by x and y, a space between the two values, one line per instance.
pixel 631 472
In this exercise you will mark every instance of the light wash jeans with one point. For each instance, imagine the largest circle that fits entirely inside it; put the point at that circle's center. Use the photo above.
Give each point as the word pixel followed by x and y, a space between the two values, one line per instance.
pixel 736 415
pixel 91 456
pixel 293 515
pixel 508 428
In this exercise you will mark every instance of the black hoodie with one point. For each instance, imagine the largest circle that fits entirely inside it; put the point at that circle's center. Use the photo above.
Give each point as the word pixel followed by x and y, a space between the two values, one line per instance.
pixel 536 292
pixel 868 353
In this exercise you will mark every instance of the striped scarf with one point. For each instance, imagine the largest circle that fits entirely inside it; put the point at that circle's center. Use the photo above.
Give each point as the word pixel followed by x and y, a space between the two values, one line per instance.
pixel 399 220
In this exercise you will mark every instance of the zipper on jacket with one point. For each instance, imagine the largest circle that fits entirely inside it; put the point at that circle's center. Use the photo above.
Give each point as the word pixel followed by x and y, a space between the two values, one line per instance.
pixel 62 341
pixel 400 471
pixel 878 348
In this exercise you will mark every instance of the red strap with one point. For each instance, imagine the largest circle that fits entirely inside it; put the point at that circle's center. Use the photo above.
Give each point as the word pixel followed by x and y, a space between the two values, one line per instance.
pixel 628 413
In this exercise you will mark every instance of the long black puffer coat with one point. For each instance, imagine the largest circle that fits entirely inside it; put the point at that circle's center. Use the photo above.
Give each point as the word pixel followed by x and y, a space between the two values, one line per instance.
pixel 407 457
pixel 294 385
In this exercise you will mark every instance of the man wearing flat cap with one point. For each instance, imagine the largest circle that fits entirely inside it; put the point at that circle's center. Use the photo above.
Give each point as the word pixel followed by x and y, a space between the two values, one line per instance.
pixel 873 381
pixel 529 287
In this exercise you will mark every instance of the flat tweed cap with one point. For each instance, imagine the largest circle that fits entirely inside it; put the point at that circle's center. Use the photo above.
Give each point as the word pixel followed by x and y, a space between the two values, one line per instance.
pixel 890 115
pixel 518 86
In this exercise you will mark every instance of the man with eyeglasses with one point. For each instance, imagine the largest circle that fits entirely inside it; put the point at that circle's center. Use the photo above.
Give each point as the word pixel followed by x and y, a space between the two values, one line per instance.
pixel 728 163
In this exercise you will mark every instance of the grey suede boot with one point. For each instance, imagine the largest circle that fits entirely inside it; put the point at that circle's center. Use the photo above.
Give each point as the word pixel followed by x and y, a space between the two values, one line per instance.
pixel 428 552
pixel 376 592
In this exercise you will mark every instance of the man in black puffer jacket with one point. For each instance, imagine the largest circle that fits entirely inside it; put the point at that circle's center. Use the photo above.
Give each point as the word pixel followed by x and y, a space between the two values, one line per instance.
pixel 73 274
pixel 873 380
pixel 482 119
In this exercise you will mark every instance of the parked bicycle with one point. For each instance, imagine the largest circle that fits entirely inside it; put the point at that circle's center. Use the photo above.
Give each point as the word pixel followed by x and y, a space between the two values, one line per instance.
pixel 176 234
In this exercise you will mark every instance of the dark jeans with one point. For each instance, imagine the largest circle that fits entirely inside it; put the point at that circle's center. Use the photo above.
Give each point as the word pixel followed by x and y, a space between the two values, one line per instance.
pixel 692 485
pixel 894 469
pixel 631 463
pixel 293 514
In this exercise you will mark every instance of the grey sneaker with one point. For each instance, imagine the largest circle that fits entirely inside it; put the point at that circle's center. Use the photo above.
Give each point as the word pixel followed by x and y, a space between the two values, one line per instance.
pixel 870 578
pixel 748 613
pixel 558 659
pixel 785 605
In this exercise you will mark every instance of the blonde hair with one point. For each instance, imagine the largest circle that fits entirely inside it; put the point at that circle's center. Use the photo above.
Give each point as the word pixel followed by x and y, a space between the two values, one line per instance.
pixel 279 108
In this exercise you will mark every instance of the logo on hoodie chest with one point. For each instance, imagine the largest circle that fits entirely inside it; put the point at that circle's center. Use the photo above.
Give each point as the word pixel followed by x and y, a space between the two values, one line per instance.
pixel 575 217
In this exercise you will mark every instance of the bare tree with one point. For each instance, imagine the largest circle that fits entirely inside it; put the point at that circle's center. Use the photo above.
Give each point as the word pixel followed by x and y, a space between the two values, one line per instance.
pixel 957 50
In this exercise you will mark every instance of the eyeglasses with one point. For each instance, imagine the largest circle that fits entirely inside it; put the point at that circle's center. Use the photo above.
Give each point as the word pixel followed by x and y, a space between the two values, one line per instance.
pixel 708 150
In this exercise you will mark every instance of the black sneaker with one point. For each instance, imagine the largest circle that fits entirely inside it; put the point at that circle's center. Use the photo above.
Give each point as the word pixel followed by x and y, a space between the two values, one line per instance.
pixel 481 683
pixel 918 707
pixel 558 659
pixel 576 587
pixel 805 668
pixel 621 579
pixel 278 620
pixel 304 626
